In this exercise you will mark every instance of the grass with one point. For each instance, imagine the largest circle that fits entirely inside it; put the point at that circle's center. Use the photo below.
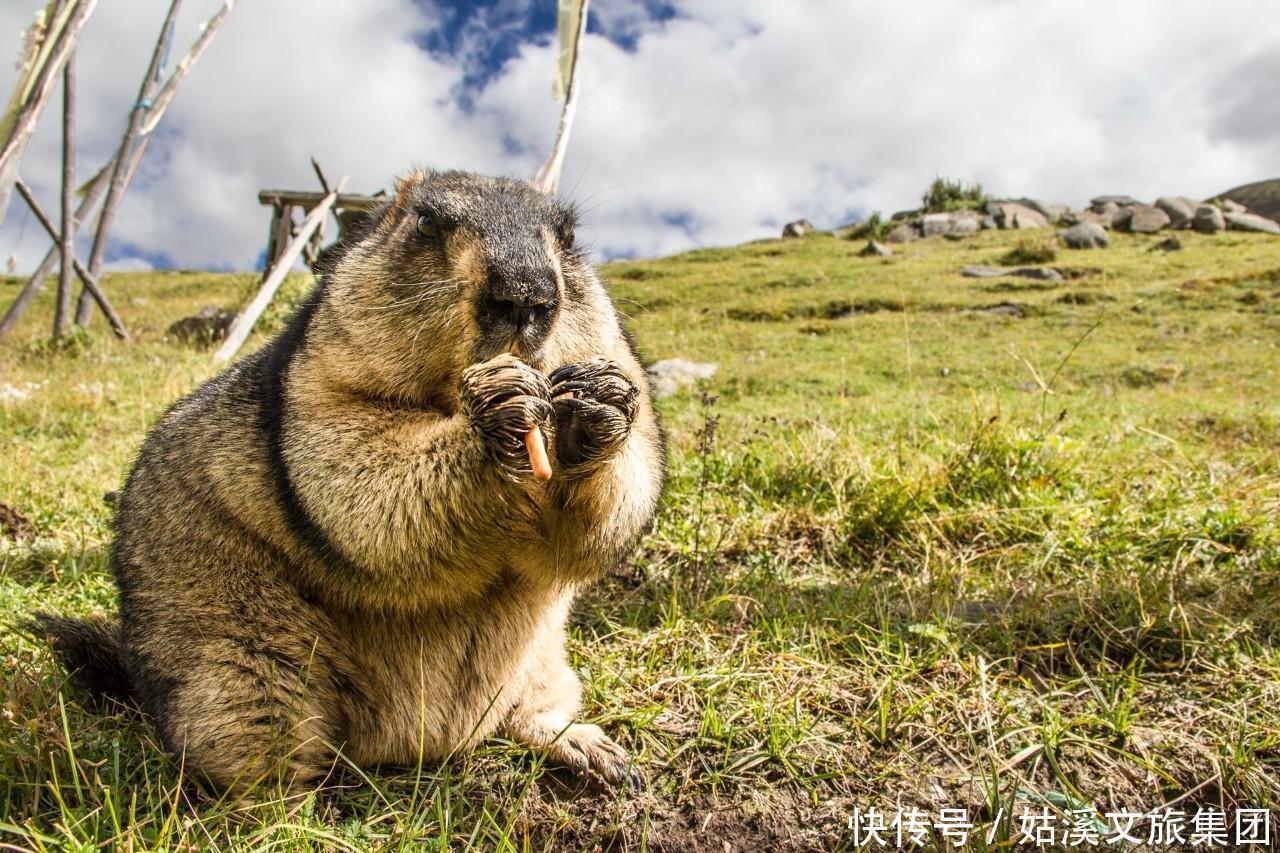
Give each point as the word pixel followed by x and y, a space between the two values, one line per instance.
pixel 916 553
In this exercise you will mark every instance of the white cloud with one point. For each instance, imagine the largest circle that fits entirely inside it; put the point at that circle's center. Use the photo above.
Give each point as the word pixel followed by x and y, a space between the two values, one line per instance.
pixel 719 126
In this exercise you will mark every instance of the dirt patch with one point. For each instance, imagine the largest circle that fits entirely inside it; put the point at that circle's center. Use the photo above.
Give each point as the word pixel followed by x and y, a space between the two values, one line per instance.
pixel 15 525
pixel 1085 297
pixel 1149 377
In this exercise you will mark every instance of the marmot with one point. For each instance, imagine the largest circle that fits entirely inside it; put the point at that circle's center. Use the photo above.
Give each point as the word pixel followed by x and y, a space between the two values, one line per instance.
pixel 338 544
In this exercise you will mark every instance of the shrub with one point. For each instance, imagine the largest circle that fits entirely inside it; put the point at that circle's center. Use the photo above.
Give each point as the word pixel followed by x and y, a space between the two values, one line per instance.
pixel 1030 252
pixel 946 195
pixel 875 228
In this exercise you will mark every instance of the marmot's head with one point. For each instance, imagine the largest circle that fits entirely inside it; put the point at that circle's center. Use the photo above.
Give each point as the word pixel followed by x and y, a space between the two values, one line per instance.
pixel 457 269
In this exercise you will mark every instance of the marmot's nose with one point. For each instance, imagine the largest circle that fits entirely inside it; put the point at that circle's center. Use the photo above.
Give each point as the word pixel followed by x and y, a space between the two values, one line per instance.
pixel 521 301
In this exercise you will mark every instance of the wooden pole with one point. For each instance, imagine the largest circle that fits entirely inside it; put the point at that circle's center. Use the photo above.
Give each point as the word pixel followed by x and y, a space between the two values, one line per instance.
pixel 90 283
pixel 62 312
pixel 120 170
pixel 243 323
pixel 99 183
pixel 548 177
pixel 73 17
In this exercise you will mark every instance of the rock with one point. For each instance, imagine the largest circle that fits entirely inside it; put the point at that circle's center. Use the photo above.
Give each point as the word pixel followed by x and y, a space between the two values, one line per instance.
pixel 935 224
pixel 1118 200
pixel 1251 222
pixel 1208 220
pixel 982 272
pixel 1004 309
pixel 1142 219
pixel 1168 244
pixel 1085 235
pixel 672 374
pixel 1180 210
pixel 958 222
pixel 799 228
pixel 874 249
pixel 208 326
pixel 1038 273
pixel 1108 212
pixel 15 525
pixel 1051 212
pixel 904 232
pixel 989 223
pixel 1010 214
pixel 1229 206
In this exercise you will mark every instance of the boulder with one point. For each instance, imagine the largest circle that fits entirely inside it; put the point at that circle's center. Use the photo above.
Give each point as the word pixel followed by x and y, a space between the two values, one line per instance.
pixel 799 228
pixel 875 250
pixel 1251 222
pixel 206 327
pixel 956 222
pixel 1107 213
pixel 903 232
pixel 1118 200
pixel 1010 214
pixel 672 374
pixel 1208 220
pixel 981 272
pixel 1179 209
pixel 1142 219
pixel 1037 273
pixel 1085 235
pixel 1051 212
pixel 1229 206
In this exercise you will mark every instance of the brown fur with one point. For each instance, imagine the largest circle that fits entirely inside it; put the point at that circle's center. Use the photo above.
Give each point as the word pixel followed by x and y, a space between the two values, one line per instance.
pixel 333 545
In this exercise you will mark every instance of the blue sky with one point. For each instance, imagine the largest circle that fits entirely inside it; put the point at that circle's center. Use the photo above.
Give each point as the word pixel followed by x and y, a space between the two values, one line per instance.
pixel 709 126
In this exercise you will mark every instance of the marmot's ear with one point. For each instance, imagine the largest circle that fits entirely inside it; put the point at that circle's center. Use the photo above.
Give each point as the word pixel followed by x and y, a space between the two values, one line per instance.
pixel 406 186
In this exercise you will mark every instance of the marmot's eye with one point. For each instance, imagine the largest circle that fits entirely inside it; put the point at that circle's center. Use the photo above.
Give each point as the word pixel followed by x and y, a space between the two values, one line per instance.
pixel 426 227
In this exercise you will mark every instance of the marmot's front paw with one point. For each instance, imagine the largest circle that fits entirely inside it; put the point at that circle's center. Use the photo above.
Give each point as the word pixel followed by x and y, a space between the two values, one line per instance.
pixel 595 405
pixel 504 397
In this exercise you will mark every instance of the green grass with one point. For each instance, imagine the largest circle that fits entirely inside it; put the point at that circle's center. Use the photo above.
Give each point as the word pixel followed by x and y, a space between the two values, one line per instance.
pixel 915 552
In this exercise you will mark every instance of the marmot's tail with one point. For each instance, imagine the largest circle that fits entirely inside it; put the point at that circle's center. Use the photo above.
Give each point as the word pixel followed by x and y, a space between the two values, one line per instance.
pixel 90 649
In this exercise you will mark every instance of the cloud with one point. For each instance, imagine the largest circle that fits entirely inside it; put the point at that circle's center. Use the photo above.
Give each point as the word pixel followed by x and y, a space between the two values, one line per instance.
pixel 710 126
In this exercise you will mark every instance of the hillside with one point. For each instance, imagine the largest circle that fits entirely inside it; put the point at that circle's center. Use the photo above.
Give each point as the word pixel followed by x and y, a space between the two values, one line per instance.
pixel 1261 197
pixel 930 541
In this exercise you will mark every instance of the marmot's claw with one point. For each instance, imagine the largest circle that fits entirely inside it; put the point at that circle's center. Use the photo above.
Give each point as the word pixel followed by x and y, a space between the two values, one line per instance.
pixel 595 405
pixel 504 397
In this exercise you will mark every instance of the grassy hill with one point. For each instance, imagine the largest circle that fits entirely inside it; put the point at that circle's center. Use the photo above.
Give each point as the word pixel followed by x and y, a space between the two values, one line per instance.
pixel 1262 197
pixel 930 542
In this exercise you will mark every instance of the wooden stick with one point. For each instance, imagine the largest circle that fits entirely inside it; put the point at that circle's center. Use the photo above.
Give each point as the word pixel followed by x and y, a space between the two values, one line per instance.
pixel 208 30
pixel 548 177
pixel 120 170
pixel 62 312
pixel 24 124
pixel 90 283
pixel 92 192
pixel 243 323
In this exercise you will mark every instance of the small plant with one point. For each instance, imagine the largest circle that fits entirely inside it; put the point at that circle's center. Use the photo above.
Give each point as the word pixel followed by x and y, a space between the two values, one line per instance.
pixel 945 195
pixel 1030 252
pixel 875 228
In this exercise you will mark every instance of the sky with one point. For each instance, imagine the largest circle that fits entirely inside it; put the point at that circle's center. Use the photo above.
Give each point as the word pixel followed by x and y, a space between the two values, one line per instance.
pixel 703 122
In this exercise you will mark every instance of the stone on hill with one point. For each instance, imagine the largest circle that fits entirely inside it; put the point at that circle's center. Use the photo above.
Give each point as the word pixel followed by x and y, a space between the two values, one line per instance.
pixel 1179 209
pixel 1251 222
pixel 1010 214
pixel 799 228
pixel 903 232
pixel 1208 220
pixel 1229 206
pixel 206 327
pixel 956 222
pixel 1085 235
pixel 670 375
pixel 981 272
pixel 1051 212
pixel 1117 200
pixel 874 249
pixel 1142 219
